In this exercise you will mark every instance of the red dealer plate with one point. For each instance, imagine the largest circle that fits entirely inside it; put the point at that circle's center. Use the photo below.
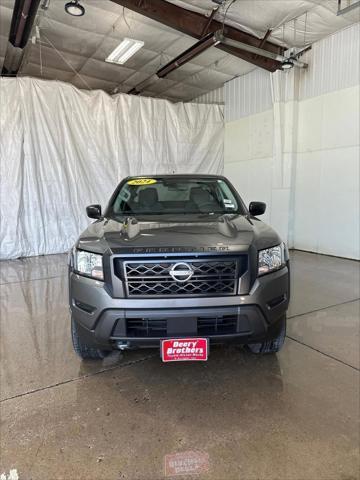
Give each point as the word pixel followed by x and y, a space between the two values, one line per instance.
pixel 184 349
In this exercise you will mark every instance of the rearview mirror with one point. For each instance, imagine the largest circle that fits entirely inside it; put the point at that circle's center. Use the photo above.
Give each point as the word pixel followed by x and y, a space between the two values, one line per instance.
pixel 257 208
pixel 93 211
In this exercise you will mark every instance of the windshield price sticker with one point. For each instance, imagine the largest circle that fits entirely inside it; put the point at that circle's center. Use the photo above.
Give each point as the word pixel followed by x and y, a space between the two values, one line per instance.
pixel 142 181
pixel 184 349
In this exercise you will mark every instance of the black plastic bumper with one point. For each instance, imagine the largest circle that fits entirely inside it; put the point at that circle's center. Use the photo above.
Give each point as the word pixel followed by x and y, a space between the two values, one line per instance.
pixel 105 322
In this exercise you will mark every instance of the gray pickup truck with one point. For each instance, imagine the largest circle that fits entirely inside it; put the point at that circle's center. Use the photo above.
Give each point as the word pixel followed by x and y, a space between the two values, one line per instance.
pixel 179 263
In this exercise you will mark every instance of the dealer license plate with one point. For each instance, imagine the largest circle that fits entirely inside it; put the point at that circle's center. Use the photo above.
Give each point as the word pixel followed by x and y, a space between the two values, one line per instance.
pixel 184 349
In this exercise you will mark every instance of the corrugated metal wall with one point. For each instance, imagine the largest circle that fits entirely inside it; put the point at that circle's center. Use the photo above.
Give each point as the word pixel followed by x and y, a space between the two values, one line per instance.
pixel 247 95
pixel 215 96
pixel 292 140
pixel 333 64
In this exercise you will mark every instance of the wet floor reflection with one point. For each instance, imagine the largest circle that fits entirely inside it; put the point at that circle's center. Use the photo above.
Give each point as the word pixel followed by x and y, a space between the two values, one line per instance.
pixel 334 331
pixel 235 416
pixel 35 342
pixel 248 416
pixel 318 281
pixel 33 268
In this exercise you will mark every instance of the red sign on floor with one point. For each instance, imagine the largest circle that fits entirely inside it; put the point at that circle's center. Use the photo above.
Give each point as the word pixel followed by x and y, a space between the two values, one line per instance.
pixel 184 349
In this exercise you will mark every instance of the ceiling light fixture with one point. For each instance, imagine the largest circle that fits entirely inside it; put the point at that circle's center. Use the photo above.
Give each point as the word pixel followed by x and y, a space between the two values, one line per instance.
pixel 74 8
pixel 287 65
pixel 126 49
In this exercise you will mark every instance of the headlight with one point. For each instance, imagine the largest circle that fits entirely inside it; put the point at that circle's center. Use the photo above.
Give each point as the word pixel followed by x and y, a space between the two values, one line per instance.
pixel 89 264
pixel 271 259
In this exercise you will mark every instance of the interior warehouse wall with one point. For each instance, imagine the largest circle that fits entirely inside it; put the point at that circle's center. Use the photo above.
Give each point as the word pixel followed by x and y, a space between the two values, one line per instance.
pixel 292 140
pixel 63 149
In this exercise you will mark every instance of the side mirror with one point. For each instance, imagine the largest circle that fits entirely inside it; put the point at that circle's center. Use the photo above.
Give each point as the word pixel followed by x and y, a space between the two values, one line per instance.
pixel 257 208
pixel 93 211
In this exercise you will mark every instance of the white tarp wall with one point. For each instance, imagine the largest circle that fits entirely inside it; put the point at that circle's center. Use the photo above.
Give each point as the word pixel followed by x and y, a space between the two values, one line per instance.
pixel 64 148
pixel 292 140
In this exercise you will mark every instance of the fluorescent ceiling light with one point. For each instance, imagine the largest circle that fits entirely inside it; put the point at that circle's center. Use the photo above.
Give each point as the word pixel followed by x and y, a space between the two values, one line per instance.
pixel 126 49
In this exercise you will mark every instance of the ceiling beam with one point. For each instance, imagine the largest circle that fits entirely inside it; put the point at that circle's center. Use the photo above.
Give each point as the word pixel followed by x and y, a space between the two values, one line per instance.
pixel 342 11
pixel 210 19
pixel 203 44
pixel 264 39
pixel 193 24
pixel 208 41
pixel 22 21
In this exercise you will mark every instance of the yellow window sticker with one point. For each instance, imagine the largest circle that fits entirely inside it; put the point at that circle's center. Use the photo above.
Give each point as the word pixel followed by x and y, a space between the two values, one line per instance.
pixel 142 181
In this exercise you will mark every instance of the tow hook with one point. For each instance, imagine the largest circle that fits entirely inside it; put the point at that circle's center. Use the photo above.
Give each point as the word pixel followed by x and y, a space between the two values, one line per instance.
pixel 121 345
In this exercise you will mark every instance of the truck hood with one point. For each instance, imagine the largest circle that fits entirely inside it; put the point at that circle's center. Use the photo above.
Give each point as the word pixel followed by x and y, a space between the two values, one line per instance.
pixel 232 233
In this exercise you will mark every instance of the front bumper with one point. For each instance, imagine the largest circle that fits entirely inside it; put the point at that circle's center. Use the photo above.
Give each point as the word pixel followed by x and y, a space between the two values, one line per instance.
pixel 109 322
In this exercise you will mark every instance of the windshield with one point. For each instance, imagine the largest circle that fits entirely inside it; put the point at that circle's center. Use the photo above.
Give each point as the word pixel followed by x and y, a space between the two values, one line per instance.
pixel 159 196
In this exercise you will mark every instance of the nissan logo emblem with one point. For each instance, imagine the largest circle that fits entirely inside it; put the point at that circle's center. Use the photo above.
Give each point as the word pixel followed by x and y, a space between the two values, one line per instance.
pixel 181 272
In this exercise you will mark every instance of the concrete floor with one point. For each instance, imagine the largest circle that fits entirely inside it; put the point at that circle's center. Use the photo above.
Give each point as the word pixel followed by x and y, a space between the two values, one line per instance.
pixel 292 416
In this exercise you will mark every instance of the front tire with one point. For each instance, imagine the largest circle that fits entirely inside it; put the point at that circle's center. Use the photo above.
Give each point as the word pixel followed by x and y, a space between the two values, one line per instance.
pixel 83 349
pixel 270 346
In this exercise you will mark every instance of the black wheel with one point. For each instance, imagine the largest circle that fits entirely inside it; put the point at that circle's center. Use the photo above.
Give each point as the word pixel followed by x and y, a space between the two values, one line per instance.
pixel 84 350
pixel 270 346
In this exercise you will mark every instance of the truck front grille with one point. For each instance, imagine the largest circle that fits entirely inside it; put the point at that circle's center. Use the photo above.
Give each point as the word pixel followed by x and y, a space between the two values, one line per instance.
pixel 153 278
pixel 206 326
pixel 145 327
pixel 217 325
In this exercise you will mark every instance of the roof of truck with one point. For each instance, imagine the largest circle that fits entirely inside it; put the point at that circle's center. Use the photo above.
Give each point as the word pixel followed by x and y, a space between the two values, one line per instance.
pixel 182 175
